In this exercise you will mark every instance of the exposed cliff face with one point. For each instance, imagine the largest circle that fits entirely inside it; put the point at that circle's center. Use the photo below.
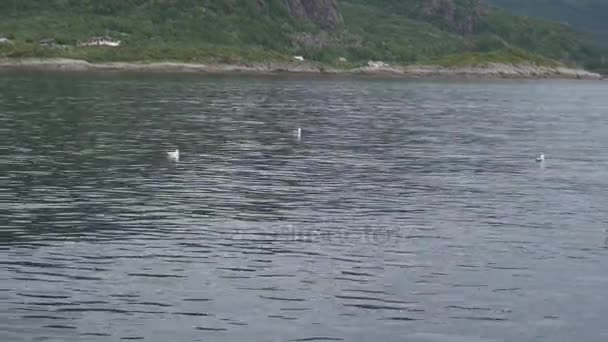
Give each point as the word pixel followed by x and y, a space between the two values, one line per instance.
pixel 323 13
pixel 462 19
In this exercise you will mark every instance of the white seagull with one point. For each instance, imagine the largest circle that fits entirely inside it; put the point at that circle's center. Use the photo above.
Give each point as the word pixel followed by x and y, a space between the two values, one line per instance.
pixel 298 133
pixel 540 158
pixel 173 155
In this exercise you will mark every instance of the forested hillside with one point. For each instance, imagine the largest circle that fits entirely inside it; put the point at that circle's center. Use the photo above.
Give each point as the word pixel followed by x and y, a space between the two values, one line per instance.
pixel 396 31
pixel 584 15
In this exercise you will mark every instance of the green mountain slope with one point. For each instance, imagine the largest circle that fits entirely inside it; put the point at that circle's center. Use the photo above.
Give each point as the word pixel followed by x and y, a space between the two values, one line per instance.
pixel 231 31
pixel 584 15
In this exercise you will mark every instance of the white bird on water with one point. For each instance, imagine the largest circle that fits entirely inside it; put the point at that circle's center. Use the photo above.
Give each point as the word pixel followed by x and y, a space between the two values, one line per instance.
pixel 173 155
pixel 298 133
pixel 540 158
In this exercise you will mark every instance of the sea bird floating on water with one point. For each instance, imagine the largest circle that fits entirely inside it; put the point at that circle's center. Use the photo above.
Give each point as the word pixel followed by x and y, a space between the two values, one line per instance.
pixel 298 133
pixel 173 155
pixel 540 158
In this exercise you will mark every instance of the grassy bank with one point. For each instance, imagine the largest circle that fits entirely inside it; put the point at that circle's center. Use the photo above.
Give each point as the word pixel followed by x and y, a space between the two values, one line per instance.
pixel 252 56
pixel 175 53
pixel 505 56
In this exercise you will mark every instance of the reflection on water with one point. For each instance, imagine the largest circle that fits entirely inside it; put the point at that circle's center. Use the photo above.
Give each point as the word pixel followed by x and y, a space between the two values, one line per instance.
pixel 406 209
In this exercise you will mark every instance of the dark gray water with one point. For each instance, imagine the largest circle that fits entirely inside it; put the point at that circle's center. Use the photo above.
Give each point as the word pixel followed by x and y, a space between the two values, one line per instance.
pixel 409 211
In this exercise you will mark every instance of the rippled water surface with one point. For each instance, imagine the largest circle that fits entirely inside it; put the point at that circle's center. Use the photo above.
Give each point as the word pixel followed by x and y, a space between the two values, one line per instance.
pixel 408 211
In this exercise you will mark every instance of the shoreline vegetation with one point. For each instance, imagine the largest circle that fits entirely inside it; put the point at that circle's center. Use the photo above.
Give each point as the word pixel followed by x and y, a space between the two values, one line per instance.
pixel 385 38
pixel 440 69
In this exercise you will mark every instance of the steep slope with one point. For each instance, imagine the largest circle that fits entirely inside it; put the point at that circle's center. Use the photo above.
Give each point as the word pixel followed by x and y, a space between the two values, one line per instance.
pixel 398 31
pixel 484 29
pixel 323 13
pixel 584 15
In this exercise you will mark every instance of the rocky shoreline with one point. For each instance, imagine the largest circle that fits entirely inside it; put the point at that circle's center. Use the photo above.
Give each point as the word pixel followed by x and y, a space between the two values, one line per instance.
pixel 494 71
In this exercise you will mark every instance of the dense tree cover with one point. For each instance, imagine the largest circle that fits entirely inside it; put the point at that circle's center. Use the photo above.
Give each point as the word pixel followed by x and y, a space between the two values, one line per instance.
pixel 584 15
pixel 253 30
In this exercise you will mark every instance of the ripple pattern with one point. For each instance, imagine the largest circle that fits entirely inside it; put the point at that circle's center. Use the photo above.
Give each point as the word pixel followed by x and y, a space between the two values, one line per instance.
pixel 408 210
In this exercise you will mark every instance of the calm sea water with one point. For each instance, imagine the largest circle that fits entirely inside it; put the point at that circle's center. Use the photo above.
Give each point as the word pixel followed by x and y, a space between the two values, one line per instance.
pixel 408 211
